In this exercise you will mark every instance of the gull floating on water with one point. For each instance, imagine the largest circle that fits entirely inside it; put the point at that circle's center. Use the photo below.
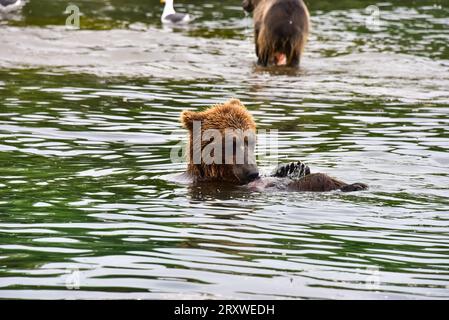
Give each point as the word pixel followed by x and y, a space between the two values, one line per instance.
pixel 170 16
pixel 10 5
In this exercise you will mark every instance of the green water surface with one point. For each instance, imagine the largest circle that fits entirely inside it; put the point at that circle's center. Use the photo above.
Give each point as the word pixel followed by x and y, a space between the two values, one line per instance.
pixel 89 117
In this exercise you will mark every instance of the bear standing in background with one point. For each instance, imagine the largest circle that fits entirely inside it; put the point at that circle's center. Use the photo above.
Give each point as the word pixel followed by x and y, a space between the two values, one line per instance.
pixel 222 149
pixel 281 29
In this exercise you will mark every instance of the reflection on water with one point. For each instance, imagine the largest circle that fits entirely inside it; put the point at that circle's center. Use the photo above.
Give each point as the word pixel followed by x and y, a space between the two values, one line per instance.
pixel 88 119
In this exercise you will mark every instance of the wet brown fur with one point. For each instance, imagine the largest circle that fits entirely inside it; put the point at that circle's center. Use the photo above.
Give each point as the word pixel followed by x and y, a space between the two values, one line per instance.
pixel 234 115
pixel 280 27
pixel 317 182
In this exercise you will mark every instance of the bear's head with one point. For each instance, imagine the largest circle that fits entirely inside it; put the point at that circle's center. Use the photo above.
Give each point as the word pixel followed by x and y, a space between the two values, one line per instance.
pixel 221 143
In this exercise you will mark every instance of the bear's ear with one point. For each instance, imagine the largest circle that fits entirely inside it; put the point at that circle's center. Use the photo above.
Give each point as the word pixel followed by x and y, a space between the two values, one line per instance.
pixel 235 102
pixel 187 118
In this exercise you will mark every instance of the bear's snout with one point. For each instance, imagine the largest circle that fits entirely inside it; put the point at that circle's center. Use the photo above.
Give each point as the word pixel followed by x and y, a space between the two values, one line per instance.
pixel 245 173
pixel 253 176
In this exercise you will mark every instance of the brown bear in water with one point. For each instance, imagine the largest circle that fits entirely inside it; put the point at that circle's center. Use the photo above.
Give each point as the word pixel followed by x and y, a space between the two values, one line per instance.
pixel 222 149
pixel 281 29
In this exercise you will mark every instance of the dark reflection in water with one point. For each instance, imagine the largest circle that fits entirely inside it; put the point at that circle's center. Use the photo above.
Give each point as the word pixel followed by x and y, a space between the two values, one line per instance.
pixel 86 137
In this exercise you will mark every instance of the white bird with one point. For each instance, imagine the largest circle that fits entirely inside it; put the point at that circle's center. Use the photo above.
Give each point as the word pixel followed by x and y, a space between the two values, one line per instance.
pixel 170 16
pixel 10 5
